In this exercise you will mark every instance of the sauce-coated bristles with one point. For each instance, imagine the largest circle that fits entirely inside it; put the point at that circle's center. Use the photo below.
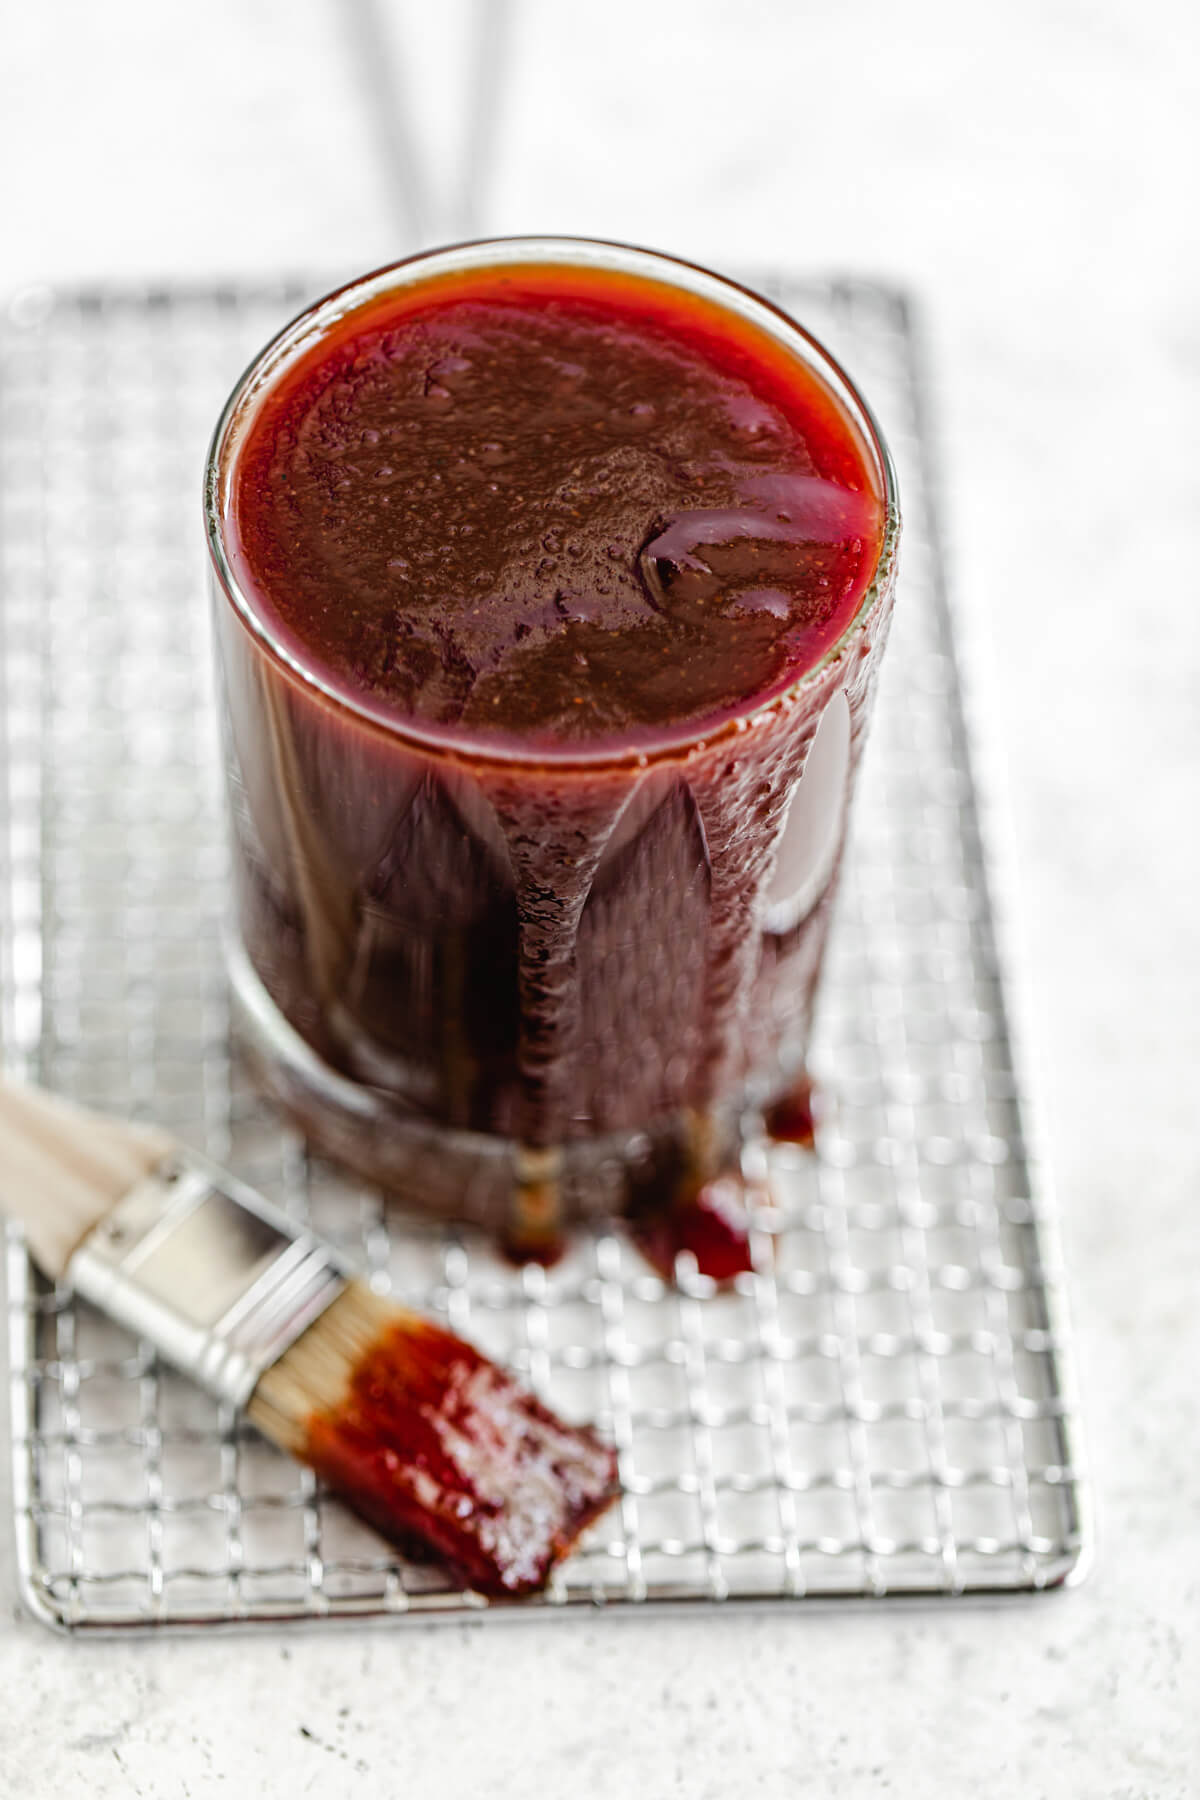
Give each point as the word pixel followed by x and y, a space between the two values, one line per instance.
pixel 434 1444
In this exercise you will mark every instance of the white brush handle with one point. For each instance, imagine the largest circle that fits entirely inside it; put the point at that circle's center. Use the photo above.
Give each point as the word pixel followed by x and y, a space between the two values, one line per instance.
pixel 173 1248
pixel 63 1168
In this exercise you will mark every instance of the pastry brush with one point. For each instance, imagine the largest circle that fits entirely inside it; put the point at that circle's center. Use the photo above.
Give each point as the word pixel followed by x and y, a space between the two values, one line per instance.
pixel 417 1431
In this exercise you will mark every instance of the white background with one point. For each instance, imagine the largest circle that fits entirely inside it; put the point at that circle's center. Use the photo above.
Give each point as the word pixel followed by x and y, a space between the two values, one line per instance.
pixel 1030 169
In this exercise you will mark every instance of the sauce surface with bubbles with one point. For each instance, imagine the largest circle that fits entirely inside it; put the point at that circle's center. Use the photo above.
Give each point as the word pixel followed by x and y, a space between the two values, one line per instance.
pixel 552 505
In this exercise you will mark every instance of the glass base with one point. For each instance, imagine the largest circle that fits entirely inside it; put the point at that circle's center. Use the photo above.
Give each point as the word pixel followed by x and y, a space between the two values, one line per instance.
pixel 454 1174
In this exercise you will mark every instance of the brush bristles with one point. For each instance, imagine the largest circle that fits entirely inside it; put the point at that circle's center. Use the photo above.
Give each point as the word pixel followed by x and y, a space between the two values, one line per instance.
pixel 434 1444
pixel 316 1373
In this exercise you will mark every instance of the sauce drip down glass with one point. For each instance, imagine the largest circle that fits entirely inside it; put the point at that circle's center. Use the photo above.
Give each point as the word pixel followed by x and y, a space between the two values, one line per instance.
pixel 551 581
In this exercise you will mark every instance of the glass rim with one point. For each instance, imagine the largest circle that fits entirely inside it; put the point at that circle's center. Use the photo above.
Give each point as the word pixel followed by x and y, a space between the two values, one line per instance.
pixel 668 743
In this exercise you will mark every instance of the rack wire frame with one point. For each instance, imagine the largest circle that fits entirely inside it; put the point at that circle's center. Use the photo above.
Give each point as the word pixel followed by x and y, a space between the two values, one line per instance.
pixel 883 1407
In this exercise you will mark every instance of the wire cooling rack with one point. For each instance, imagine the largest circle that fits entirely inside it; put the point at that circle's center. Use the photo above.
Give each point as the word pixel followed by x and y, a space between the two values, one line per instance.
pixel 880 1408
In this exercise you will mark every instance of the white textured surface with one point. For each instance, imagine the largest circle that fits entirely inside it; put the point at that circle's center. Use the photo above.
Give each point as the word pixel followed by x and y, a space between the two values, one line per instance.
pixel 1032 171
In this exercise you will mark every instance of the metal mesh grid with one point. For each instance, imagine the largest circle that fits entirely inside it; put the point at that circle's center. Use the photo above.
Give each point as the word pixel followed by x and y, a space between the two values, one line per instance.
pixel 879 1408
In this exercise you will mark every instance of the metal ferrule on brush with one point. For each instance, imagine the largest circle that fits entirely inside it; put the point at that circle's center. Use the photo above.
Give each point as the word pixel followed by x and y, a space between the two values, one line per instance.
pixel 218 1280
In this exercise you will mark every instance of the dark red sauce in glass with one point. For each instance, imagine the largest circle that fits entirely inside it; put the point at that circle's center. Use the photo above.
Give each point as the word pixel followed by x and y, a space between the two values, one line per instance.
pixel 552 505
pixel 552 545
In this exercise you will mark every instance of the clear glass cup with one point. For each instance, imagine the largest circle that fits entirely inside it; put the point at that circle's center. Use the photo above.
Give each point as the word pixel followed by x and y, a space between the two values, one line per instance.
pixel 516 986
